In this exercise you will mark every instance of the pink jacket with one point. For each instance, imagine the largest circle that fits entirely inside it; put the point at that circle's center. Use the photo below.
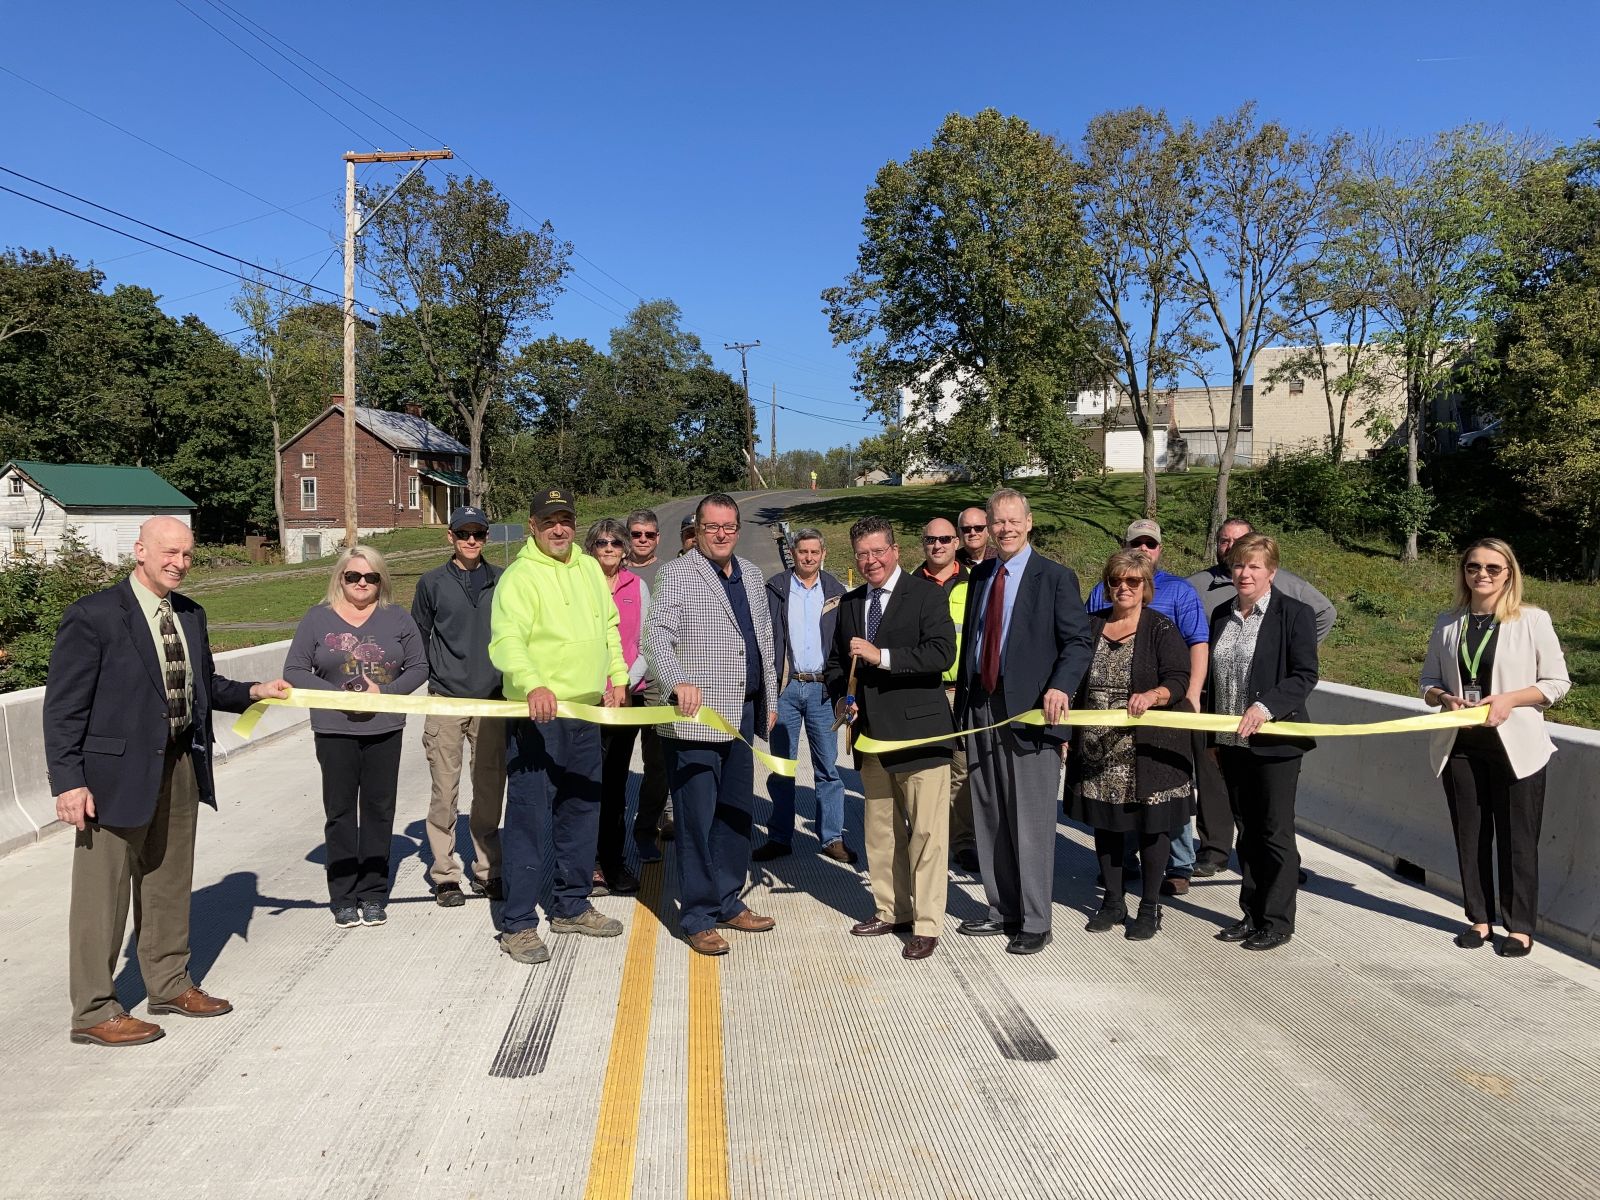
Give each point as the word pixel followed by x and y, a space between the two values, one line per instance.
pixel 631 598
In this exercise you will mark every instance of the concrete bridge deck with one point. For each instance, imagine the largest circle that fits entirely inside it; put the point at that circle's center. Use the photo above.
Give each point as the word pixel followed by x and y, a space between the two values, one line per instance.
pixel 1369 1057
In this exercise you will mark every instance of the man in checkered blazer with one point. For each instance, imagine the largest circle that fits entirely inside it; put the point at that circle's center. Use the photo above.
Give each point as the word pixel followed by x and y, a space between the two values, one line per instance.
pixel 708 636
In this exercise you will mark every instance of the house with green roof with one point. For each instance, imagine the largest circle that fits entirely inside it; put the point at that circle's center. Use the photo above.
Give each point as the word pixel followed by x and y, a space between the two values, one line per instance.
pixel 104 506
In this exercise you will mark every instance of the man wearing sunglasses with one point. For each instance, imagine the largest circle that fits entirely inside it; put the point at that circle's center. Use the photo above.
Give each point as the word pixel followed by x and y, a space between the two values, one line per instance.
pixel 942 566
pixel 973 526
pixel 644 540
pixel 451 608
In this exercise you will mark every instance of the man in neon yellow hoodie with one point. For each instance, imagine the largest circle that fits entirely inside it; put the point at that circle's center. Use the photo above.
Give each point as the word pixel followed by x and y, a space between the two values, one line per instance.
pixel 553 634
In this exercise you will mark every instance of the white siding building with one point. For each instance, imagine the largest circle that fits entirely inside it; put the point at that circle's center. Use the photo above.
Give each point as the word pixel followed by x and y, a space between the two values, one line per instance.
pixel 104 506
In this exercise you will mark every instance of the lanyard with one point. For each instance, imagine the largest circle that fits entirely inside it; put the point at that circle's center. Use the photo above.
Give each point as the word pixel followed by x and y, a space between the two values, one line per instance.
pixel 1474 661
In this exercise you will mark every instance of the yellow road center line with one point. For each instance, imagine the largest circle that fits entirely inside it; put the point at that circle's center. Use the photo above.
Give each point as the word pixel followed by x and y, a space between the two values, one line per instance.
pixel 708 1115
pixel 616 1134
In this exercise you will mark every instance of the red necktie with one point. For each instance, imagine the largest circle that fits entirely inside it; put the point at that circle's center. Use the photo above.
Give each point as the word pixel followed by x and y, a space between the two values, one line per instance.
pixel 993 626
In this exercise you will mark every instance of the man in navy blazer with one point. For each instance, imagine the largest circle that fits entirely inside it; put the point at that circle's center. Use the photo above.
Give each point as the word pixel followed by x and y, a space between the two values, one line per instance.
pixel 1025 644
pixel 127 735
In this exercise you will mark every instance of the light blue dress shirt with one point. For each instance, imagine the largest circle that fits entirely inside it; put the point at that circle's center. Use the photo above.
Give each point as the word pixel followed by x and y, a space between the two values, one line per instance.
pixel 805 626
pixel 1014 570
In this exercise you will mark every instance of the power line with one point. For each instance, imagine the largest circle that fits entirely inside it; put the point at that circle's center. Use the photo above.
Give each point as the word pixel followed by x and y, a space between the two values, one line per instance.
pixel 234 225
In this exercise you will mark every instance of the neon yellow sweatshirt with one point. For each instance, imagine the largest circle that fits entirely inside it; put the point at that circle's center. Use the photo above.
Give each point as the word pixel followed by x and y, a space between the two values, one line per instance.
pixel 554 625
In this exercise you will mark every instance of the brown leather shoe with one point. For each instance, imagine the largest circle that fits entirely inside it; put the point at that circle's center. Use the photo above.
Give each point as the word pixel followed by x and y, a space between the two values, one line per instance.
pixel 749 922
pixel 877 928
pixel 839 852
pixel 707 941
pixel 193 1003
pixel 120 1030
pixel 1175 885
pixel 919 947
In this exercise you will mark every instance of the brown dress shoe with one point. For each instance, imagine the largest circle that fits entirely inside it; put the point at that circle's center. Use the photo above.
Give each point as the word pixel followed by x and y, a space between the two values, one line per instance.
pixel 120 1030
pixel 193 1003
pixel 1174 885
pixel 919 947
pixel 749 922
pixel 707 941
pixel 839 852
pixel 877 928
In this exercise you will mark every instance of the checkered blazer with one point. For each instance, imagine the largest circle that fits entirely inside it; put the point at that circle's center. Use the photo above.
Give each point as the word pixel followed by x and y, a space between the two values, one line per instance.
pixel 691 637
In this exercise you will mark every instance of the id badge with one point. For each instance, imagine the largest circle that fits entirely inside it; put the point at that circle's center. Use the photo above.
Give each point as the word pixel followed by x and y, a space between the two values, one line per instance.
pixel 1473 696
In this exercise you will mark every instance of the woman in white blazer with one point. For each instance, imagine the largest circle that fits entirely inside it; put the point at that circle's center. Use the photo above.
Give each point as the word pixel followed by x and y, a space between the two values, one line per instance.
pixel 1493 649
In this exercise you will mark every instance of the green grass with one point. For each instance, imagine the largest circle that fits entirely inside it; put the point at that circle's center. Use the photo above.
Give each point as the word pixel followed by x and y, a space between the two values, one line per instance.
pixel 1386 608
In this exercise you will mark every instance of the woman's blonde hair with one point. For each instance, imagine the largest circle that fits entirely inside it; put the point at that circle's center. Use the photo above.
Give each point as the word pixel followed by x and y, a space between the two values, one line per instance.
pixel 1130 562
pixel 1509 606
pixel 374 561
pixel 1252 544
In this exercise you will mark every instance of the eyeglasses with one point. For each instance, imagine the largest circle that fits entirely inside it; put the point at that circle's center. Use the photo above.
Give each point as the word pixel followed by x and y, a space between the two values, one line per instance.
pixel 879 553
pixel 644 535
pixel 355 577
pixel 1144 543
pixel 1492 570
pixel 609 543
pixel 725 527
pixel 938 539
pixel 470 535
pixel 1131 581
pixel 974 529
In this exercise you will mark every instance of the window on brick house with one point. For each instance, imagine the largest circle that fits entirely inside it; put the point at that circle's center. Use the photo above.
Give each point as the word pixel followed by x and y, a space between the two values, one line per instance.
pixel 1297 387
pixel 414 462
pixel 414 492
pixel 308 460
pixel 308 493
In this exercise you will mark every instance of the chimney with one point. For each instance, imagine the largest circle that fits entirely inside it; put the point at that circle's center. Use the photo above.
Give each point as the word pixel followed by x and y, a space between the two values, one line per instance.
pixel 337 399
pixel 413 410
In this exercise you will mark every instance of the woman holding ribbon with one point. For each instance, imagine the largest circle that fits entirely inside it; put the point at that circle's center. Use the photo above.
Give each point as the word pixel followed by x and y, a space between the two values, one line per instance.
pixel 606 542
pixel 1131 782
pixel 1491 649
pixel 1263 667
pixel 355 640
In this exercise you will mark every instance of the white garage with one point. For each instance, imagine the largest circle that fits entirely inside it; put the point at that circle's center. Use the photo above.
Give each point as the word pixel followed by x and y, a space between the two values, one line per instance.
pixel 1125 450
pixel 104 506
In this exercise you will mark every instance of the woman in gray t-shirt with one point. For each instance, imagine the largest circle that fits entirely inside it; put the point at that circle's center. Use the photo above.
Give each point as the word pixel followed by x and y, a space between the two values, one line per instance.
pixel 357 641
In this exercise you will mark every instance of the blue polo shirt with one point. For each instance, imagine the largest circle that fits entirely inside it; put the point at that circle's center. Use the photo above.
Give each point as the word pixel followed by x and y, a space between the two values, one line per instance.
pixel 733 586
pixel 1175 599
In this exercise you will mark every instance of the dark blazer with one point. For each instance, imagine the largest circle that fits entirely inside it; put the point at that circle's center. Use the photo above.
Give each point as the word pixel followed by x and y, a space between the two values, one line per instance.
pixel 778 606
pixel 105 704
pixel 1160 659
pixel 1283 672
pixel 907 700
pixel 1049 644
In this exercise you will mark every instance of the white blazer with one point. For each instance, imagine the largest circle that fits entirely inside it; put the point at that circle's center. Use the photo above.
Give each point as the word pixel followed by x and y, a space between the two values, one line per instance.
pixel 1526 654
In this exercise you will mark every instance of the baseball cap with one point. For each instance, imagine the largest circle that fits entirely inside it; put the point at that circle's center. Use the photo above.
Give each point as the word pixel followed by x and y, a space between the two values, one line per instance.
pixel 552 500
pixel 465 516
pixel 1143 528
pixel 687 522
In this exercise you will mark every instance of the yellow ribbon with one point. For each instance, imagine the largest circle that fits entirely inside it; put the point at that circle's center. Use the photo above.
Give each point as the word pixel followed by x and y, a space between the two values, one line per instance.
pixel 451 706
pixel 1207 722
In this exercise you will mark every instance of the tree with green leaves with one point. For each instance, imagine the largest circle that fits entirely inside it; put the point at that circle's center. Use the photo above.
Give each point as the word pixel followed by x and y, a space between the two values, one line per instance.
pixel 972 287
pixel 471 284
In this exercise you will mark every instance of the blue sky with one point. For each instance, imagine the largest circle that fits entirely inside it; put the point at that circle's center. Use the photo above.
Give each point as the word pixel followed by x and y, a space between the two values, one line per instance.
pixel 715 154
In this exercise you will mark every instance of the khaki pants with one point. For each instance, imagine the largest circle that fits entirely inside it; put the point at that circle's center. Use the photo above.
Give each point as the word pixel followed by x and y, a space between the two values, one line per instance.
pixel 155 863
pixel 442 739
pixel 908 841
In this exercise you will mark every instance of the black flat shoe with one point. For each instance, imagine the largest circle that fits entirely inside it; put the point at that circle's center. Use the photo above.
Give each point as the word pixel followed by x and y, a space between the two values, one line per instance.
pixel 1109 917
pixel 1237 932
pixel 1146 925
pixel 1510 947
pixel 1470 939
pixel 1266 939
pixel 985 928
pixel 1028 943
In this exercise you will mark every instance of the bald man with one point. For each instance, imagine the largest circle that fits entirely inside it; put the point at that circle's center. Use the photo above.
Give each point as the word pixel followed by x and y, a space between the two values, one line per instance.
pixel 127 737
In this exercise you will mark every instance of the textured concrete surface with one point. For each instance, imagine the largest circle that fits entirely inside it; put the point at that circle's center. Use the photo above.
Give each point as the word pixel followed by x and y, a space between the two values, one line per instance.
pixel 1367 1058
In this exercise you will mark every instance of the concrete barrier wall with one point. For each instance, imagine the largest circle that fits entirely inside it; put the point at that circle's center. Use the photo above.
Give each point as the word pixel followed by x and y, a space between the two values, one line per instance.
pixel 1378 797
pixel 27 806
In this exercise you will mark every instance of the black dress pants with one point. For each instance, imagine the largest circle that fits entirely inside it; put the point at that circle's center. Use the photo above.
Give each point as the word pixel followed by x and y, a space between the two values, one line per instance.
pixel 616 762
pixel 1262 791
pixel 360 775
pixel 1213 809
pixel 1496 816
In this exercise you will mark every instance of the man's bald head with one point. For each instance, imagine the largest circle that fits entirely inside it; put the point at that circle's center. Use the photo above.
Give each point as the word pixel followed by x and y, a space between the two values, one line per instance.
pixel 164 553
pixel 939 543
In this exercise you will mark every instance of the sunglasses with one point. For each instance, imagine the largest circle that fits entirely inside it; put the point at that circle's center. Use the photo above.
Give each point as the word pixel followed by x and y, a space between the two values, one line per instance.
pixel 938 539
pixel 1132 581
pixel 974 529
pixel 646 535
pixel 354 577
pixel 1144 543
pixel 471 535
pixel 610 543
pixel 1492 570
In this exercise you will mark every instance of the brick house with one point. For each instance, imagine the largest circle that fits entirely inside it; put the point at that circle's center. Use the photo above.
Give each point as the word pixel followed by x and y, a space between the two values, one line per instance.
pixel 408 473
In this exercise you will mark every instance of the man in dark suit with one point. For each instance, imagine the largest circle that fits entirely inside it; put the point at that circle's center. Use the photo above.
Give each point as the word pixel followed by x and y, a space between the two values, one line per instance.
pixel 895 636
pixel 127 735
pixel 1025 644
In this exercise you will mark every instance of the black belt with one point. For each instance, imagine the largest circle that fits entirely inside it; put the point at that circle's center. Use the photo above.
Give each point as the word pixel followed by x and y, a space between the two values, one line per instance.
pixel 809 676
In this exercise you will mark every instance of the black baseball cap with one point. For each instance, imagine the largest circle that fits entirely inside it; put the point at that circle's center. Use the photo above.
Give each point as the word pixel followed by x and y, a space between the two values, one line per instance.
pixel 552 500
pixel 466 517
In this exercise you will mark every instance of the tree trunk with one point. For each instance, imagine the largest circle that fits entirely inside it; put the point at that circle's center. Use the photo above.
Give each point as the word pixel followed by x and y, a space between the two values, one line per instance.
pixel 1413 413
pixel 1219 500
pixel 277 479
pixel 1148 433
pixel 474 419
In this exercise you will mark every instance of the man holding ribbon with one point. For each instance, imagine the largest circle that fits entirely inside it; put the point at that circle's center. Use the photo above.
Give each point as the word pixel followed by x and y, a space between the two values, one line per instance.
pixel 554 636
pixel 709 638
pixel 1025 644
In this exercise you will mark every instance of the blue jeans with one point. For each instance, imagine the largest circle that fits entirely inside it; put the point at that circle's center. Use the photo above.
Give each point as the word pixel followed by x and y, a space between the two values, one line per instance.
pixel 552 812
pixel 807 702
pixel 1180 862
pixel 711 784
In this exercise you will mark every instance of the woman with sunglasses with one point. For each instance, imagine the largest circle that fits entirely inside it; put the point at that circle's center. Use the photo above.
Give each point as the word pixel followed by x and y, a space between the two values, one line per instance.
pixel 607 543
pixel 355 640
pixel 1492 649
pixel 1131 783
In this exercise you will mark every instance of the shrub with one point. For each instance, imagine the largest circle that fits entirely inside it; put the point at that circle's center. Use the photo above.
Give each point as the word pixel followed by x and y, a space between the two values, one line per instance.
pixel 33 595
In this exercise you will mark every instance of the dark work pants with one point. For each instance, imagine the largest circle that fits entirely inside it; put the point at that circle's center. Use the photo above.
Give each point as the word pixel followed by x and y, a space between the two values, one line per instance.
pixel 711 793
pixel 616 753
pixel 360 775
pixel 1495 816
pixel 1109 847
pixel 552 812
pixel 1214 811
pixel 653 788
pixel 1262 791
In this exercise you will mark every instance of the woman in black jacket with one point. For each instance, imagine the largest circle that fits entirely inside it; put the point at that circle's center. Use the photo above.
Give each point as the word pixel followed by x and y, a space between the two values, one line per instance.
pixel 1131 782
pixel 1263 666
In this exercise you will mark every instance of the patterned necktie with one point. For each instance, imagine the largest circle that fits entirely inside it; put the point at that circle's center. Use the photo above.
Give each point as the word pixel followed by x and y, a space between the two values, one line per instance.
pixel 874 614
pixel 994 615
pixel 175 668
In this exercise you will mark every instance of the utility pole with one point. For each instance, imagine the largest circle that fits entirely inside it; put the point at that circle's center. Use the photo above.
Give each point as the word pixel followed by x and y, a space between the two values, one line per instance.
pixel 774 435
pixel 749 411
pixel 351 228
